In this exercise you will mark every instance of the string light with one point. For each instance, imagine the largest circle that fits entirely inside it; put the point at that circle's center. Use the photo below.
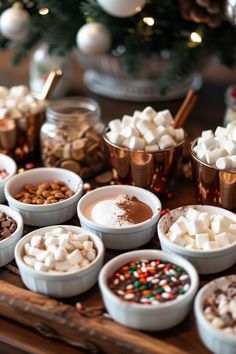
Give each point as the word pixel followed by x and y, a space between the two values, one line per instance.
pixel 195 37
pixel 149 21
pixel 44 11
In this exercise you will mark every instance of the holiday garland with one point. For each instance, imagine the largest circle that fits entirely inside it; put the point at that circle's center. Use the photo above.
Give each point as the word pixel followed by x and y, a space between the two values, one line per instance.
pixel 135 37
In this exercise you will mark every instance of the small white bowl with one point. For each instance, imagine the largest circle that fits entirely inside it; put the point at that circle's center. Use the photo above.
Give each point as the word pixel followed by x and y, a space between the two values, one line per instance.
pixel 45 214
pixel 7 163
pixel 63 284
pixel 7 245
pixel 214 339
pixel 147 317
pixel 125 237
pixel 206 262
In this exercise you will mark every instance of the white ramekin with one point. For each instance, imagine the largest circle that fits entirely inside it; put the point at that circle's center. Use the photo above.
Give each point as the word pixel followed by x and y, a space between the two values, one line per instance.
pixel 214 339
pixel 7 163
pixel 121 238
pixel 7 246
pixel 206 262
pixel 63 284
pixel 147 317
pixel 46 214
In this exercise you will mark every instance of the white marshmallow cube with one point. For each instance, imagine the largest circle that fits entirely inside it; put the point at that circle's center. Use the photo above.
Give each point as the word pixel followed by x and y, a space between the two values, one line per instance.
pixel 75 257
pixel 201 239
pixel 128 132
pixel 206 134
pixel 115 137
pixel 208 144
pixel 151 137
pixel 29 260
pixel 179 134
pixel 60 254
pixel 49 262
pixel 232 229
pixel 115 125
pixel 126 121
pixel 177 239
pixel 220 131
pixel 161 130
pixel 192 214
pixel 166 142
pixel 91 255
pixel 224 163
pixel 152 148
pixel 213 155
pixel 149 113
pixel 230 147
pixel 210 245
pixel 39 266
pixel 34 251
pixel 163 118
pixel 179 227
pixel 136 143
pixel 57 231
pixel 195 227
pixel 205 217
pixel 223 239
pixel 144 126
pixel 62 266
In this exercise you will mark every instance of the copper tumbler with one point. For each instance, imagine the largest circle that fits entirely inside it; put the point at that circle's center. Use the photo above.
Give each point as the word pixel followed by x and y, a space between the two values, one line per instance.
pixel 213 186
pixel 149 170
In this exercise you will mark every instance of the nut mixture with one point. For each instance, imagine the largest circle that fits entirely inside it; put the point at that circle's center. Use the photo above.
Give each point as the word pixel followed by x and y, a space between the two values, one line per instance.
pixel 7 226
pixel 59 250
pixel 220 309
pixel 44 193
pixel 81 151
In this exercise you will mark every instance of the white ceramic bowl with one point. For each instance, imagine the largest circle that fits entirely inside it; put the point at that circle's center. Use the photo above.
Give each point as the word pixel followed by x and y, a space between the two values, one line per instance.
pixel 147 317
pixel 62 284
pixel 7 163
pixel 214 339
pixel 46 214
pixel 127 237
pixel 206 262
pixel 7 245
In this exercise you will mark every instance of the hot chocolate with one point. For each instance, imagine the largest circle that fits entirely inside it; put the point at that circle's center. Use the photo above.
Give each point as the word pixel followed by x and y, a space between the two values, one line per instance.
pixel 123 210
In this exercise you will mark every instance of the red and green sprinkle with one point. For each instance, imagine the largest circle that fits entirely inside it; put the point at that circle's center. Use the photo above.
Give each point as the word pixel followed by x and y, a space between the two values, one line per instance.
pixel 149 282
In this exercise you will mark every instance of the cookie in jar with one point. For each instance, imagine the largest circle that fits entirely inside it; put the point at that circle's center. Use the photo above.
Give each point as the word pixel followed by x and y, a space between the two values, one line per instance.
pixel 71 137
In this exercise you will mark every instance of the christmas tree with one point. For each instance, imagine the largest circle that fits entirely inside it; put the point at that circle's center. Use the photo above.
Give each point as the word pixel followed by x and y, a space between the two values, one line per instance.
pixel 152 28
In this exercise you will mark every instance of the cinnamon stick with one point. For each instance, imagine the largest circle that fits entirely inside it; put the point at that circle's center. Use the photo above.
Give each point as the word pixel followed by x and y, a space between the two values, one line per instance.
pixel 185 109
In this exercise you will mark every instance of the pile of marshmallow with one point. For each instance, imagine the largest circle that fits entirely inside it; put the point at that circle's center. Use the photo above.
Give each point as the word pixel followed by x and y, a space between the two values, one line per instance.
pixel 17 102
pixel 147 130
pixel 202 231
pixel 218 148
pixel 59 251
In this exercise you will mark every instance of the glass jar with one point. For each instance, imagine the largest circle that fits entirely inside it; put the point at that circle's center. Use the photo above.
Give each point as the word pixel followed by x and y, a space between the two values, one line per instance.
pixel 230 101
pixel 71 137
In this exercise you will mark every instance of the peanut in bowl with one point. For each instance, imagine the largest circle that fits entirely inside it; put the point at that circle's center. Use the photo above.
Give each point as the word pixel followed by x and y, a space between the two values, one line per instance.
pixel 53 211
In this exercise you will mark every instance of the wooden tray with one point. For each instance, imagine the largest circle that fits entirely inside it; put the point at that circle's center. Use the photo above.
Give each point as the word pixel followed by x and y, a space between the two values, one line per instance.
pixel 90 329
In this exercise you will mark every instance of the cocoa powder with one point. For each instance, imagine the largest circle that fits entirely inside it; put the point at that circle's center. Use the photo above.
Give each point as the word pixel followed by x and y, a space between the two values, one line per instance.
pixel 135 211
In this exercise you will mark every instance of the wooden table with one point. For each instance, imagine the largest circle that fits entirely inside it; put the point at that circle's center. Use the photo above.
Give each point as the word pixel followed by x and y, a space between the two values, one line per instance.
pixel 208 113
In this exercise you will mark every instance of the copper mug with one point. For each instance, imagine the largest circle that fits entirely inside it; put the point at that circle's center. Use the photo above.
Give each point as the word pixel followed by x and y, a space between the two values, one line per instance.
pixel 213 186
pixel 145 169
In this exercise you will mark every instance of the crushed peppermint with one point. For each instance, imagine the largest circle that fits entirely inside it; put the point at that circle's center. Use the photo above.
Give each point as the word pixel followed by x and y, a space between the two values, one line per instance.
pixel 149 282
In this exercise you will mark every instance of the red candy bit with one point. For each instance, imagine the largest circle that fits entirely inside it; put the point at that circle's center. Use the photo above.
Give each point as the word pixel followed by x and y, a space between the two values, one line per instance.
pixel 29 165
pixel 167 268
pixel 169 195
pixel 117 275
pixel 164 211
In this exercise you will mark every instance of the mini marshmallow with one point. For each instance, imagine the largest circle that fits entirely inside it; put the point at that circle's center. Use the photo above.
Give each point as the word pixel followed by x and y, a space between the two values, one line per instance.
pixel 49 261
pixel 201 155
pixel 42 256
pixel 29 260
pixel 201 239
pixel 91 255
pixel 128 132
pixel 166 141
pixel 137 114
pixel 149 113
pixel 75 257
pixel 224 163
pixel 66 245
pixel 163 118
pixel 223 239
pixel 62 266
pixel 230 147
pixel 60 254
pixel 34 251
pixel 136 143
pixel 135 121
pixel 195 227
pixel 84 263
pixel 125 142
pixel 81 237
pixel 209 143
pixel 126 121
pixel 189 241
pixel 27 247
pixel 88 245
pixel 177 239
pixel 58 231
pixel 232 229
pixel 39 266
pixel 115 137
pixel 115 125
pixel 52 248
pixel 151 148
pixel 206 134
pixel 144 126
pixel 51 241
pixel 218 226
pixel 151 137
pixel 213 155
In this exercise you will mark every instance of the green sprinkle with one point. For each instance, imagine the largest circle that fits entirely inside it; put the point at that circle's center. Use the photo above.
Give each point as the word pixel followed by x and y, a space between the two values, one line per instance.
pixel 133 268
pixel 170 275
pixel 160 291
pixel 131 271
pixel 136 284
pixel 181 291
pixel 165 262
pixel 180 270
pixel 150 295
pixel 144 287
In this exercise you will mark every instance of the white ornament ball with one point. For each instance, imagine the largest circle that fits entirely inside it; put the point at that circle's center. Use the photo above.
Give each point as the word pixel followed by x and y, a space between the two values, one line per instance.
pixel 14 23
pixel 122 8
pixel 93 38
